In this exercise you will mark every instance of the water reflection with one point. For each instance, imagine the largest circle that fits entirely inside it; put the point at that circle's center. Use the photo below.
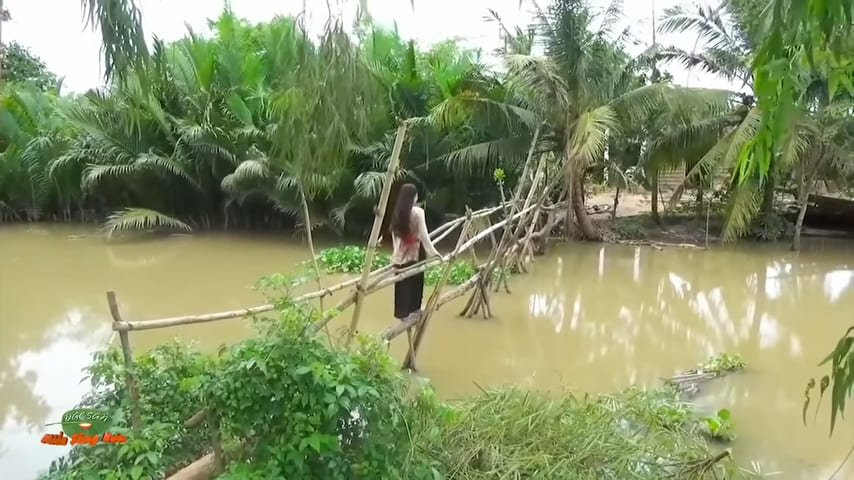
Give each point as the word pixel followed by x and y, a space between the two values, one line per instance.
pixel 53 312
pixel 669 310
pixel 599 318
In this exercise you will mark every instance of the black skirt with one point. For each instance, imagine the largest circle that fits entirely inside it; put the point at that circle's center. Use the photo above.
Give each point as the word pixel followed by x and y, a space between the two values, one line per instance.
pixel 409 292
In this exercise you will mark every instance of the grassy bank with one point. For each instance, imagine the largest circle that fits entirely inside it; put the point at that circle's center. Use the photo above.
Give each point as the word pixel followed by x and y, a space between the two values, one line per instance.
pixel 285 404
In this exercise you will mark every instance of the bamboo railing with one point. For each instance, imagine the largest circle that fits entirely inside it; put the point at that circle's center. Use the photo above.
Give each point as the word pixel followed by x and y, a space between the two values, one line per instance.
pixel 518 228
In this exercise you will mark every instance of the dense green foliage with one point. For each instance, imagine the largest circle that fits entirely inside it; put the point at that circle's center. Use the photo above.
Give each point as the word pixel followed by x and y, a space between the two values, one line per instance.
pixel 255 125
pixel 19 65
pixel 290 406
pixel 227 132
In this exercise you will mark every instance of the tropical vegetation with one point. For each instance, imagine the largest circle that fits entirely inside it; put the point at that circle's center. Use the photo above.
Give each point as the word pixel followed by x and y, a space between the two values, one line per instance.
pixel 254 126
pixel 264 125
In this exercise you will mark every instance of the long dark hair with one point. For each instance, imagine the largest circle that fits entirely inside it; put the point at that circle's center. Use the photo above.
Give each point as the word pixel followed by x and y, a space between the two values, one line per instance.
pixel 403 210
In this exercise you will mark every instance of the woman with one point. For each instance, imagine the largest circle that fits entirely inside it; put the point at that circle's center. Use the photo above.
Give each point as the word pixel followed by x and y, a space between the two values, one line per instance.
pixel 410 240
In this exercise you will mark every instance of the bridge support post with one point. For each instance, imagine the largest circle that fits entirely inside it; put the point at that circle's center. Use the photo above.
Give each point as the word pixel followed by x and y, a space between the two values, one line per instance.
pixel 375 230
pixel 430 307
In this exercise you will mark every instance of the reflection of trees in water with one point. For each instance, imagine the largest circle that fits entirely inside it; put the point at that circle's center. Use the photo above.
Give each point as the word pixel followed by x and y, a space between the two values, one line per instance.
pixel 22 407
pixel 645 305
pixel 648 313
pixel 139 252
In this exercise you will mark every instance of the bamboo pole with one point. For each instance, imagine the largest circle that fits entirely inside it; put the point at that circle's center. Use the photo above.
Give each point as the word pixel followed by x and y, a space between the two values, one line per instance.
pixel 514 206
pixel 509 247
pixel 307 220
pixel 201 469
pixel 378 275
pixel 247 312
pixel 375 231
pixel 216 442
pixel 409 361
pixel 506 260
pixel 413 270
pixel 130 379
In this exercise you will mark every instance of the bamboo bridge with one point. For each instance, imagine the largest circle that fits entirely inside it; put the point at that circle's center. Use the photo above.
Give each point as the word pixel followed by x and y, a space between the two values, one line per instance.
pixel 530 216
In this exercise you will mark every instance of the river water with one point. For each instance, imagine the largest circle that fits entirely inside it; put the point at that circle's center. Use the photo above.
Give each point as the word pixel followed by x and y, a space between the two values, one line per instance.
pixel 590 317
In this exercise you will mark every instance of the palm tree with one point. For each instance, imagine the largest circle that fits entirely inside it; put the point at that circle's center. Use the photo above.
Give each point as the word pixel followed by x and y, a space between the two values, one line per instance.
pixel 580 94
pixel 726 52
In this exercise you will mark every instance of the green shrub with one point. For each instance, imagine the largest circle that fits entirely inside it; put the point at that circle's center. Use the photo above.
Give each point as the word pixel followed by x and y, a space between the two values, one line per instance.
pixel 772 226
pixel 170 378
pixel 349 259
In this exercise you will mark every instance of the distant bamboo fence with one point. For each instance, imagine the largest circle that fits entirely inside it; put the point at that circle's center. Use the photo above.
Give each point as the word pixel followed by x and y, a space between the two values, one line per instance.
pixel 519 228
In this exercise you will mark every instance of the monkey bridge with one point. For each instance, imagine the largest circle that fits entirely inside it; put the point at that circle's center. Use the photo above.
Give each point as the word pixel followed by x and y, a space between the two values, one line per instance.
pixel 512 229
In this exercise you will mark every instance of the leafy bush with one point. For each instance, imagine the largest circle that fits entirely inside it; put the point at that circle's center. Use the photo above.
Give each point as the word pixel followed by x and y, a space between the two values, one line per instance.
pixel 719 426
pixel 772 226
pixel 349 259
pixel 170 378
pixel 724 362
pixel 630 228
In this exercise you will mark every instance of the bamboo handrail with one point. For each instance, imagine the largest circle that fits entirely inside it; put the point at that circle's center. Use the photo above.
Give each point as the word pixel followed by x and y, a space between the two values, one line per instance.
pixel 415 269
pixel 246 312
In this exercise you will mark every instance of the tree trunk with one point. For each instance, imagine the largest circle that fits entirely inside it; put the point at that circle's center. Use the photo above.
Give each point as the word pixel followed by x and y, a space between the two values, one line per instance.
pixel 654 211
pixel 585 225
pixel 796 240
pixel 700 193
pixel 803 200
pixel 569 225
pixel 768 194
pixel 616 203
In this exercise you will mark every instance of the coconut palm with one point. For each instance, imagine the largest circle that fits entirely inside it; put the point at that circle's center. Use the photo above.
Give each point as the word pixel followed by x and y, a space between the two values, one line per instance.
pixel 579 93
pixel 725 51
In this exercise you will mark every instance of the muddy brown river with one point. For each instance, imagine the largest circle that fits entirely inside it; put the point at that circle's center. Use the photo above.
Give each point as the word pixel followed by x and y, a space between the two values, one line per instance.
pixel 589 317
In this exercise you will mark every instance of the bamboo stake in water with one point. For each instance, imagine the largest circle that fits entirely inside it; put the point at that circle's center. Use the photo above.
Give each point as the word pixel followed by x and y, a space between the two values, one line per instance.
pixel 409 361
pixel 130 379
pixel 375 231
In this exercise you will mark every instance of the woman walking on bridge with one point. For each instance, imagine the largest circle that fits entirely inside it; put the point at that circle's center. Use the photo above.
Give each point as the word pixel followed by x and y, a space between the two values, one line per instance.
pixel 410 241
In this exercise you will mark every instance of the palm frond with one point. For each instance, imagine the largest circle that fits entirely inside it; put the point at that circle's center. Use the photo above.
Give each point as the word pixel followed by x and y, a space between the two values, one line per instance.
pixel 744 205
pixel 590 134
pixel 123 41
pixel 485 156
pixel 141 219
pixel 540 83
